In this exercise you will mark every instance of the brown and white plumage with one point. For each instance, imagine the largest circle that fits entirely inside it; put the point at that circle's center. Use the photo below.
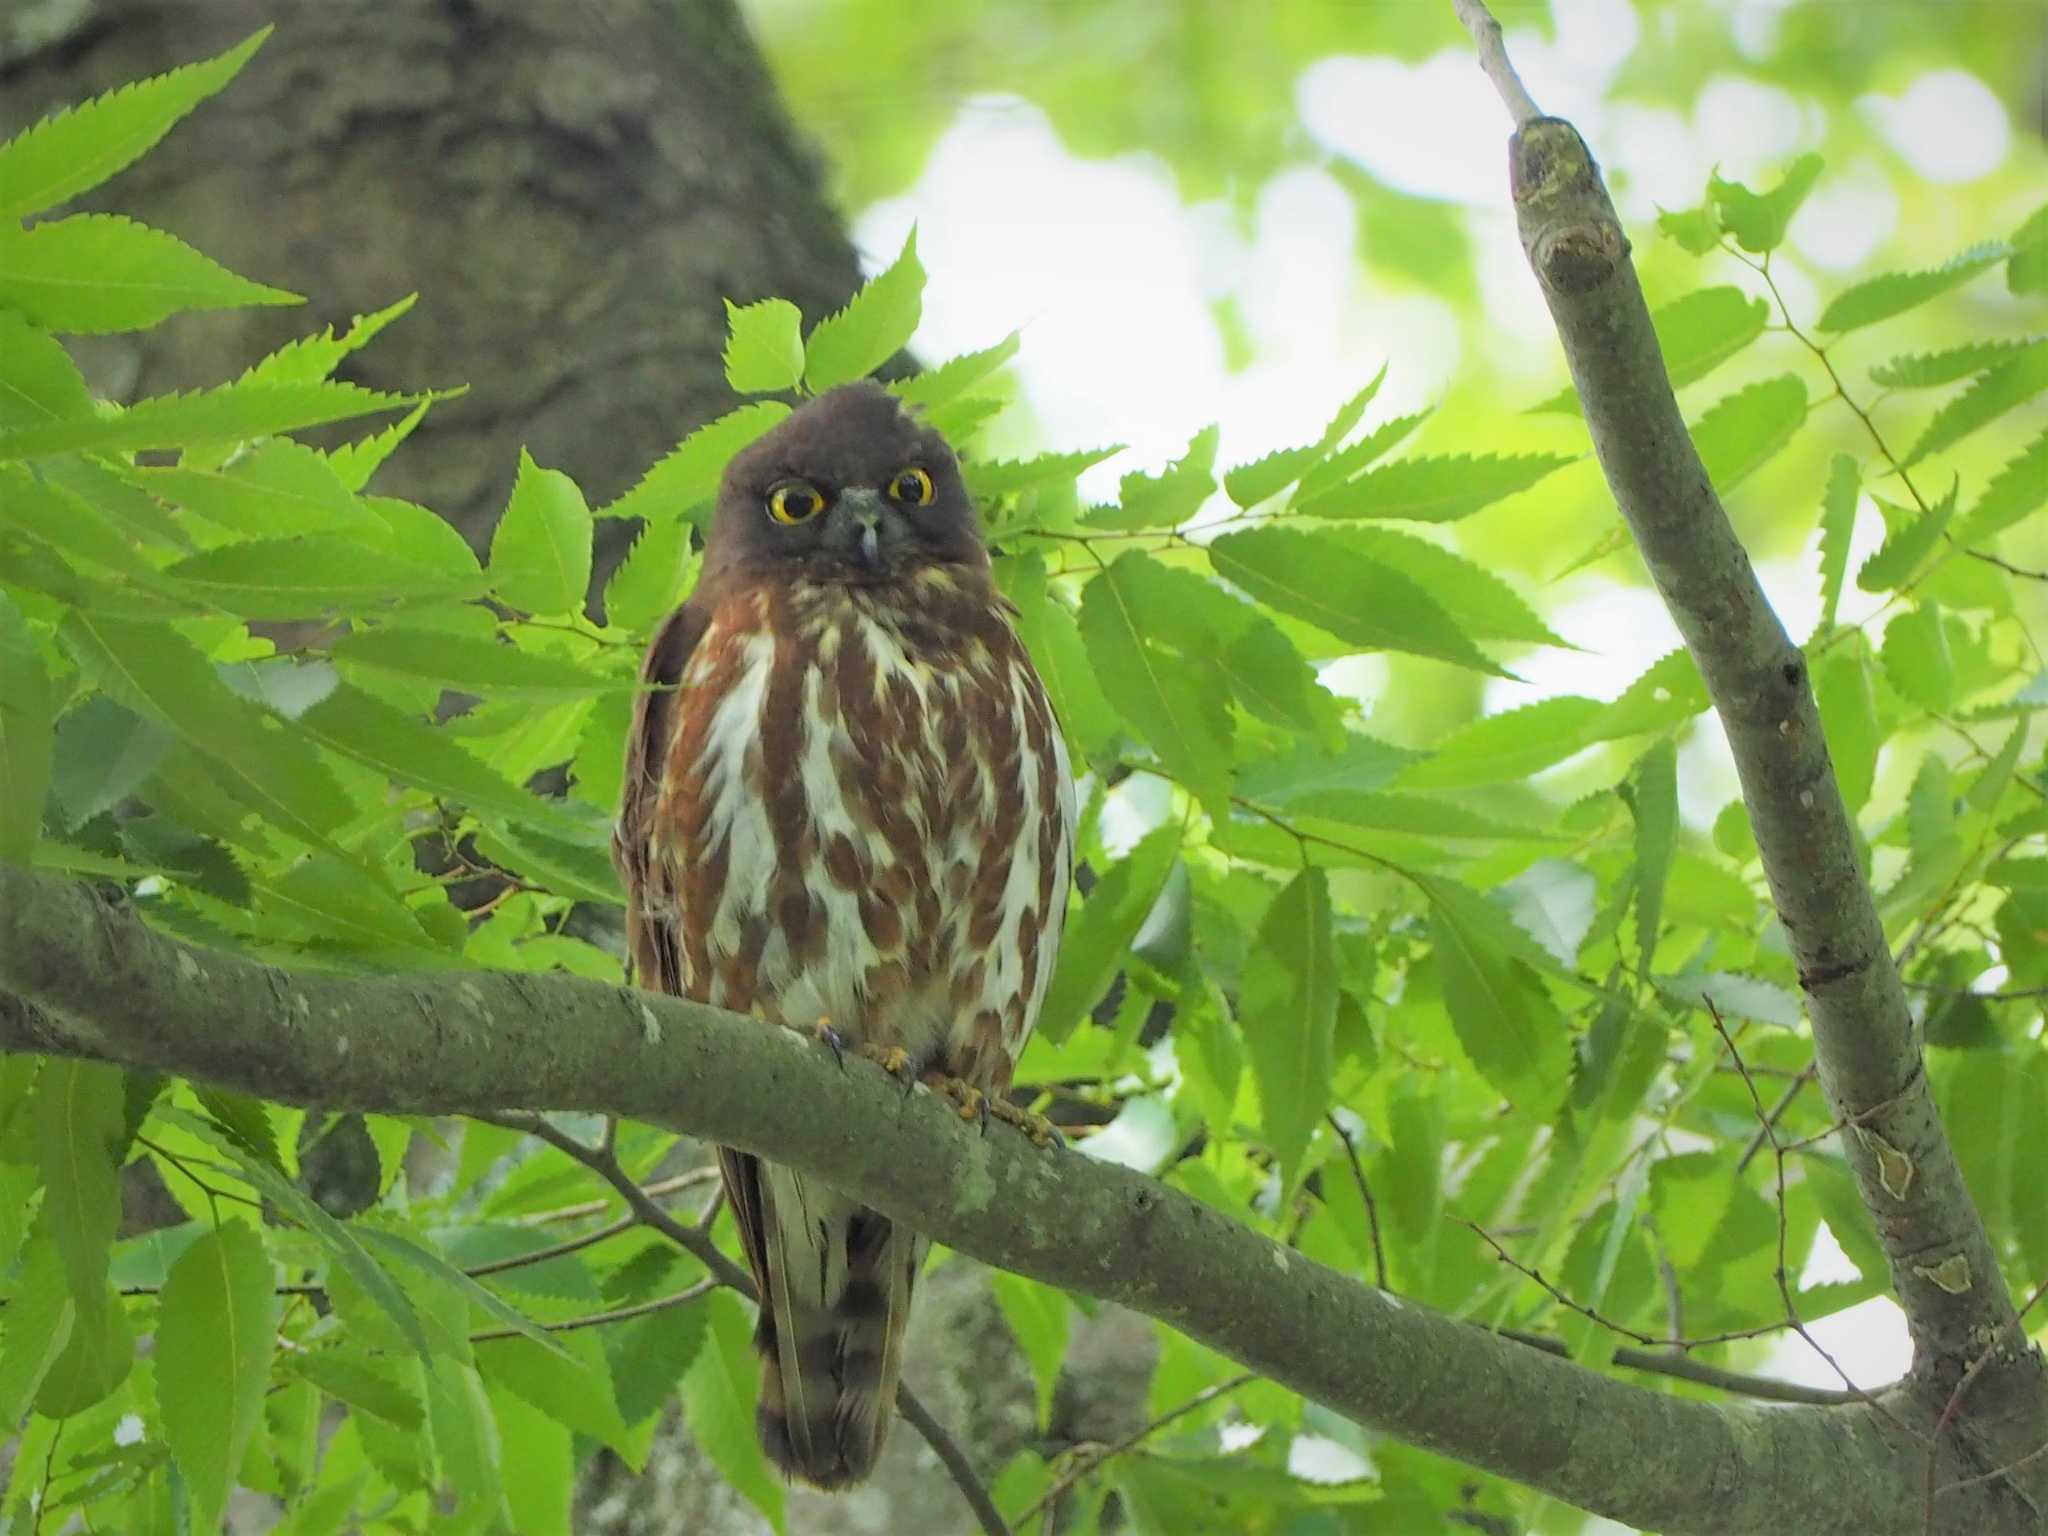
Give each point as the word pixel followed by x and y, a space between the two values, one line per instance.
pixel 846 800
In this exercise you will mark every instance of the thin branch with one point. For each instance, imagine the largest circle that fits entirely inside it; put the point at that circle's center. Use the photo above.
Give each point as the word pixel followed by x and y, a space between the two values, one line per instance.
pixel 600 1319
pixel 1087 1461
pixel 1372 1210
pixel 1493 58
pixel 555 1250
pixel 1684 1367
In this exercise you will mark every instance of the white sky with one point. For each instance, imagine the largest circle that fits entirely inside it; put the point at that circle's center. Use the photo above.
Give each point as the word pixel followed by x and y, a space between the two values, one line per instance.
pixel 1111 279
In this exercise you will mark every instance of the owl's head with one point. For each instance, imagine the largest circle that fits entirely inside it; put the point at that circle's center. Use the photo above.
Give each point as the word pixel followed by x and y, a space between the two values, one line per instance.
pixel 850 487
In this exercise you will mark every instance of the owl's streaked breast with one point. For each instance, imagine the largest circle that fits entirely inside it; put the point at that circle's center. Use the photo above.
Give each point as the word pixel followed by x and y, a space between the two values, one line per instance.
pixel 868 817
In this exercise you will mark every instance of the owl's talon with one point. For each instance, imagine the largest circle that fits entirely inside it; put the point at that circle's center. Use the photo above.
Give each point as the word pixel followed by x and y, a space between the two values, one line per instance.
pixel 1043 1132
pixel 895 1061
pixel 830 1036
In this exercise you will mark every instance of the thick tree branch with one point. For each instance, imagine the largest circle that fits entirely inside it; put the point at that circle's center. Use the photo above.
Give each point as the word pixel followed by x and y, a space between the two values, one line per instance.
pixel 480 1042
pixel 1942 1265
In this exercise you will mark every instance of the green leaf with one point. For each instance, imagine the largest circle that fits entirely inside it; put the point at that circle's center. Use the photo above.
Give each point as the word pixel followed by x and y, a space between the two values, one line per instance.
pixel 570 1382
pixel 300 578
pixel 213 1345
pixel 876 324
pixel 540 550
pixel 718 1393
pixel 1917 659
pixel 1100 930
pixel 228 413
pixel 1848 717
pixel 1653 799
pixel 1991 395
pixel 2014 493
pixel 354 463
pixel 1360 766
pixel 657 572
pixel 35 1327
pixel 1270 677
pixel 990 479
pixel 1038 1319
pixel 1695 230
pixel 97 272
pixel 1169 498
pixel 688 474
pixel 488 668
pixel 1478 601
pixel 77 530
pixel 362 1382
pixel 2027 270
pixel 1052 636
pixel 1912 538
pixel 467 1446
pixel 312 358
pixel 1880 298
pixel 764 346
pixel 278 489
pixel 1249 484
pixel 161 675
pixel 1758 220
pixel 1161 695
pixel 1433 489
pixel 1360 601
pixel 1503 1016
pixel 96 1360
pixel 540 1475
pixel 72 151
pixel 1696 333
pixel 1742 997
pixel 1837 528
pixel 1741 431
pixel 1509 746
pixel 27 737
pixel 951 379
pixel 429 1262
pixel 80 1122
pixel 1338 469
pixel 1288 1011
pixel 1671 691
pixel 39 383
pixel 1924 370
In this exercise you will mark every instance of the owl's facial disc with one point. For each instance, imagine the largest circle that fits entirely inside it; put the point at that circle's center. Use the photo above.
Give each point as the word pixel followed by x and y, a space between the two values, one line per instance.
pixel 866 532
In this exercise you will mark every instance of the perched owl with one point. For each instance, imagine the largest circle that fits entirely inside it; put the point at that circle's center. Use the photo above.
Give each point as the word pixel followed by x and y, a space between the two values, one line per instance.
pixel 847 804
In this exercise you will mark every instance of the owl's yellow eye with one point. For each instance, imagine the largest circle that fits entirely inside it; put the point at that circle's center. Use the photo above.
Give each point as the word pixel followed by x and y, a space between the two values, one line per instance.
pixel 912 486
pixel 794 501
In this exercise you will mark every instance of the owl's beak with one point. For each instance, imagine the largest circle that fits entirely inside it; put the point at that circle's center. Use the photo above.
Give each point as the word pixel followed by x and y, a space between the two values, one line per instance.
pixel 866 535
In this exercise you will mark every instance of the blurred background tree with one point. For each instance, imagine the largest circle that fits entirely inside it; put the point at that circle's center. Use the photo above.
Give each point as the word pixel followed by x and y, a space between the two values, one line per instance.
pixel 1195 211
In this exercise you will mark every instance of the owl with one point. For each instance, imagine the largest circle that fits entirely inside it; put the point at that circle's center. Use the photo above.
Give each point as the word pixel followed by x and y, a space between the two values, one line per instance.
pixel 848 809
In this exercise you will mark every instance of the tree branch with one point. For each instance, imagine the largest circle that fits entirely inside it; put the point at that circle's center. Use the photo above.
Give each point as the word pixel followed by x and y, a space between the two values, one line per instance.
pixel 1942 1264
pixel 473 1043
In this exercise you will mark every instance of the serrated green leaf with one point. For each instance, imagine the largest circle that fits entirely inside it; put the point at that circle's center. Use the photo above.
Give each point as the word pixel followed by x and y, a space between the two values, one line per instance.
pixel 96 1359
pixel 876 324
pixel 1249 484
pixel 1758 220
pixel 1432 489
pixel 953 378
pixel 227 413
pixel 73 528
pixel 764 346
pixel 1037 1316
pixel 1509 746
pixel 27 737
pixel 718 1393
pixel 1917 660
pixel 1741 997
pixel 288 579
pixel 688 474
pixel 1270 677
pixel 1893 293
pixel 1164 697
pixel 158 673
pixel 1169 498
pixel 1100 930
pixel 278 489
pixel 570 1383
pixel 409 751
pixel 103 752
pixel 362 1382
pixel 74 150
pixel 988 479
pixel 312 358
pixel 1695 230
pixel 649 1358
pixel 1503 1017
pixel 1052 636
pixel 657 572
pixel 1288 1010
pixel 1670 691
pixel 1333 586
pixel 1653 800
pixel 213 1344
pixel 354 463
pixel 487 668
pixel 540 1475
pixel 1478 601
pixel 98 272
pixel 1342 464
pixel 1360 766
pixel 540 550
pixel 467 1446
pixel 1989 397
pixel 1913 536
pixel 333 901
pixel 1848 717
pixel 80 1119
pixel 1741 431
pixel 35 1328
pixel 1924 370
pixel 1837 528
pixel 39 383
pixel 1696 333
pixel 2015 492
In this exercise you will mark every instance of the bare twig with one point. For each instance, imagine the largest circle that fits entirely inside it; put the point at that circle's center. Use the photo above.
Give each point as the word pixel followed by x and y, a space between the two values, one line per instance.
pixel 1372 1210
pixel 1682 1367
pixel 1088 1460
pixel 599 1319
pixel 1493 58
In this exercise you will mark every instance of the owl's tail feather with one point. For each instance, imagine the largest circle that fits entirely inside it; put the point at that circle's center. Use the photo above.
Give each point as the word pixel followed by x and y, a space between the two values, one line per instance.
pixel 836 1286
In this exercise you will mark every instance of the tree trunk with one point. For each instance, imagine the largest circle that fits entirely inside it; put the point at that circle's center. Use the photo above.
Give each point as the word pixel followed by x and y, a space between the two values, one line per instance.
pixel 574 186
